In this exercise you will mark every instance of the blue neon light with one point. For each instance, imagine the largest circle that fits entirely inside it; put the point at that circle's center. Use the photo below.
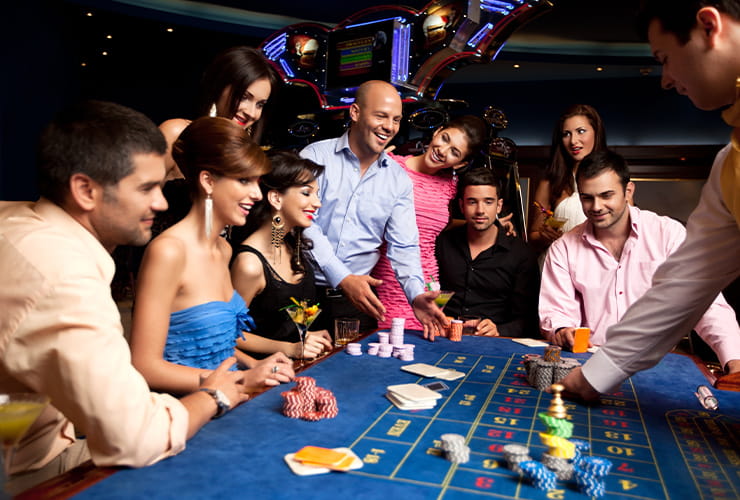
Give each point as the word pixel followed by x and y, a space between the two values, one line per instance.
pixel 286 67
pixel 475 39
pixel 397 18
pixel 275 48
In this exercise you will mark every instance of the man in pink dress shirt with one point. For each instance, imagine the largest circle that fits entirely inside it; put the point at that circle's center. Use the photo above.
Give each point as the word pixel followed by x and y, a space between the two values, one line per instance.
pixel 593 273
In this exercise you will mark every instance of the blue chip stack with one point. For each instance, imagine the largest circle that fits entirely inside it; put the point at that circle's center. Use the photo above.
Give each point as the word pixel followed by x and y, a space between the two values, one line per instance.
pixel 590 474
pixel 581 448
pixel 542 478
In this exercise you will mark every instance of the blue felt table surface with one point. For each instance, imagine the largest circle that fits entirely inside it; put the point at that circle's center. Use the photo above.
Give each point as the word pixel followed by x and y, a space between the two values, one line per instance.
pixel 242 453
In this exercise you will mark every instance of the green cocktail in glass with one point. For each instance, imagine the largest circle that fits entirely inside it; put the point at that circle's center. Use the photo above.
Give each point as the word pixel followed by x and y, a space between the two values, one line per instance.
pixel 443 298
pixel 18 411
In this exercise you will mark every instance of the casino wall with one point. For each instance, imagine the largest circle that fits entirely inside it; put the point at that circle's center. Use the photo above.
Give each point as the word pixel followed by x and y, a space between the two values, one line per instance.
pixel 151 59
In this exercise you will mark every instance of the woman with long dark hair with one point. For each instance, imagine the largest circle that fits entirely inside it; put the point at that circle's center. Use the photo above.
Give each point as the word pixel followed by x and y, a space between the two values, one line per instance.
pixel 271 264
pixel 578 132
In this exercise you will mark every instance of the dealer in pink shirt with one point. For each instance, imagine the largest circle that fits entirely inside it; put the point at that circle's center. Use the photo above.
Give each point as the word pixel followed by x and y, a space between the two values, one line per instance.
pixel 594 272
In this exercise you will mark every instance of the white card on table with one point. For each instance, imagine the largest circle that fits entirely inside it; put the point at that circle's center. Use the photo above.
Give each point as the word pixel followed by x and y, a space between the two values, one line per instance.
pixel 405 404
pixel 423 369
pixel 414 392
pixel 450 375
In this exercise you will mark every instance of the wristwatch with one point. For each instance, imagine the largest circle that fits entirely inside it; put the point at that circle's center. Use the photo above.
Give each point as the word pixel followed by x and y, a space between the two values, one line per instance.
pixel 221 400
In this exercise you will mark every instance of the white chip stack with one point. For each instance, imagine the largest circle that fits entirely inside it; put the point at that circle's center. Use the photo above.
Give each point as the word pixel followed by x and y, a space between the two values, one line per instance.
pixel 354 349
pixel 396 334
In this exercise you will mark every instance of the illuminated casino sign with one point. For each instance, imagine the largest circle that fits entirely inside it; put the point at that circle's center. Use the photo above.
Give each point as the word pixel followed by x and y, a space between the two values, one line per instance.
pixel 416 50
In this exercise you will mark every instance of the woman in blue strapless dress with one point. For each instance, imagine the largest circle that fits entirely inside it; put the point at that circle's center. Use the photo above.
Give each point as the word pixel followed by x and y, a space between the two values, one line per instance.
pixel 187 316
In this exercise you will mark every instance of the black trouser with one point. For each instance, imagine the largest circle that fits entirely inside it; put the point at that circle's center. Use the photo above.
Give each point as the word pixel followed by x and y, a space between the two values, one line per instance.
pixel 335 305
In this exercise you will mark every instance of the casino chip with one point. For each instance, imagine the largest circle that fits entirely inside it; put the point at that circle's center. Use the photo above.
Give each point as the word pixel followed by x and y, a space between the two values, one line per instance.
pixel 456 451
pixel 307 401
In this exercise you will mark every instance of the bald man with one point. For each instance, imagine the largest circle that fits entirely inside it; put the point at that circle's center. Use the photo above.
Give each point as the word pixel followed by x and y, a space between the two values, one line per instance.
pixel 367 200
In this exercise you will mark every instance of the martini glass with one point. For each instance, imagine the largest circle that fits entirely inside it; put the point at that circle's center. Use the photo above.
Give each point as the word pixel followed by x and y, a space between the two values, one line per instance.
pixel 18 411
pixel 303 317
pixel 443 298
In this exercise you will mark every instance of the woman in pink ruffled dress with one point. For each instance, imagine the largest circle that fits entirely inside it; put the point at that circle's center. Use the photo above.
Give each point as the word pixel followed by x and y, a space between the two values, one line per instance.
pixel 434 179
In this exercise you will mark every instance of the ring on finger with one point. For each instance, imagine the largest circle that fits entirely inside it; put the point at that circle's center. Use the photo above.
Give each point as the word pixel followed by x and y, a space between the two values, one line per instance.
pixel 275 369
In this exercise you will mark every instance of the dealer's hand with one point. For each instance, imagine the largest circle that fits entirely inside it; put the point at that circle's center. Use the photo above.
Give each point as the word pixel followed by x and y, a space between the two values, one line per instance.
pixel 577 386
pixel 429 314
pixel 356 288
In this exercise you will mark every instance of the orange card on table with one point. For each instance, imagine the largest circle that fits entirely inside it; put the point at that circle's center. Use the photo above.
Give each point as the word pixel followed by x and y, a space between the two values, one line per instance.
pixel 316 455
pixel 580 343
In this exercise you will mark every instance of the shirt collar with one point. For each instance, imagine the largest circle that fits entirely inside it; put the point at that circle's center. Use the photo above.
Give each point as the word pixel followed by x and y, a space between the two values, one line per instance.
pixel 588 228
pixel 343 145
pixel 502 240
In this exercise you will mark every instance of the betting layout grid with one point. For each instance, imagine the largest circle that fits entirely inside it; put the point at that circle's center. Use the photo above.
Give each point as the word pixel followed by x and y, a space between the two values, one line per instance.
pixel 710 446
pixel 493 406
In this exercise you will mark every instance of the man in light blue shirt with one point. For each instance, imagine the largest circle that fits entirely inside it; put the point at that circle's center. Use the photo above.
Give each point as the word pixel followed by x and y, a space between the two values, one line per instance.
pixel 367 199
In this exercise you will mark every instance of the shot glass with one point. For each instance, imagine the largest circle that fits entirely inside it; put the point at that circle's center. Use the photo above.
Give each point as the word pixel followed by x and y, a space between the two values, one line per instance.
pixel 345 330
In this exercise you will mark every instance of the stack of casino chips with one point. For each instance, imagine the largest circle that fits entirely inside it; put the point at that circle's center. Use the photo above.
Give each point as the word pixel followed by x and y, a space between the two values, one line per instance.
pixel 542 373
pixel 308 401
pixel 456 329
pixel 390 345
pixel 353 349
pixel 456 451
pixel 542 478
pixel 581 448
pixel 396 333
pixel 590 474
pixel 559 449
pixel 514 454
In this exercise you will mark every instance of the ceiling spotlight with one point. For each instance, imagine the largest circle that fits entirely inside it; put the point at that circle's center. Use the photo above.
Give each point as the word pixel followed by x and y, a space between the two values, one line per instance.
pixel 170 30
pixel 88 14
pixel 599 68
pixel 516 66
pixel 109 37
pixel 83 64
pixel 105 53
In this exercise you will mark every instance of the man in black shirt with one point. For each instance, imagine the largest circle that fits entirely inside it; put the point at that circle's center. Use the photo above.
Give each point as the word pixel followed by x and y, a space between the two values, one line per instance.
pixel 493 275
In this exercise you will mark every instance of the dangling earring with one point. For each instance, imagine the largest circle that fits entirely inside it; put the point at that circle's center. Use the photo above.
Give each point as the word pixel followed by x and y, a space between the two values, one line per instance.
pixel 278 234
pixel 209 215
pixel 213 112
pixel 250 131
